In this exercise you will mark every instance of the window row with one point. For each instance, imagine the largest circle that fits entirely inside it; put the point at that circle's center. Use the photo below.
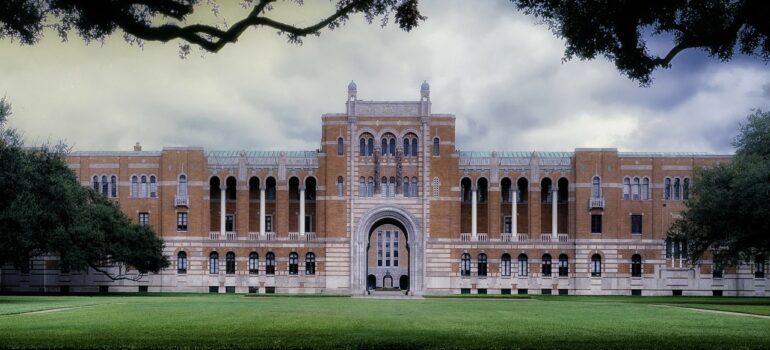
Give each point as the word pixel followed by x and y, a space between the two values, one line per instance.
pixel 107 186
pixel 636 188
pixel 144 186
pixel 253 263
pixel 676 188
pixel 388 145
pixel 717 267
pixel 387 186
pixel 505 265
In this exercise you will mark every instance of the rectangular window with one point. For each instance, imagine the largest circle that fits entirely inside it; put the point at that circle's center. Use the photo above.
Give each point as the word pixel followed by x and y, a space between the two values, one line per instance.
pixel 144 219
pixel 596 224
pixel 268 223
pixel 308 222
pixel 395 248
pixel 636 224
pixel 229 222
pixel 387 248
pixel 505 291
pixel 465 291
pixel 181 222
pixel 507 225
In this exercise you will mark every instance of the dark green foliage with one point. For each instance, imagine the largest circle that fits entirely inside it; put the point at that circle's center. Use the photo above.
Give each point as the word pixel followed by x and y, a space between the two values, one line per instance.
pixel 45 210
pixel 619 29
pixel 25 20
pixel 729 209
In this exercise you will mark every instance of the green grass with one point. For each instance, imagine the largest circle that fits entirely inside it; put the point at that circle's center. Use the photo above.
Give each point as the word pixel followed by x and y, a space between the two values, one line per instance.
pixel 234 321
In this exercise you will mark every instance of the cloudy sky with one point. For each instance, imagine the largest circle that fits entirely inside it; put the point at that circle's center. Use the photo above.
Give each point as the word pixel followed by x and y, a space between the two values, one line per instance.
pixel 498 72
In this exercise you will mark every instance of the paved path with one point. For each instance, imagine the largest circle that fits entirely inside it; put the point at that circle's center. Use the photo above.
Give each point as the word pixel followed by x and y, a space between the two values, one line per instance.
pixel 716 311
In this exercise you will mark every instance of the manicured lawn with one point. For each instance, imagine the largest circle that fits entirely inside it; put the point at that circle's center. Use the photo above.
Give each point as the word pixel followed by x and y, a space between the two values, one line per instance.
pixel 235 321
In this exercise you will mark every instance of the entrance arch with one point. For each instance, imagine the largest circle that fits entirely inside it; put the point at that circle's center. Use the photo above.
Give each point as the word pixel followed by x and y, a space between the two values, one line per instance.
pixel 360 240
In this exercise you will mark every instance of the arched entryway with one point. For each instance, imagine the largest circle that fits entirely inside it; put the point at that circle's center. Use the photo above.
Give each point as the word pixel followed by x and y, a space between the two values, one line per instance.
pixel 387 254
pixel 384 218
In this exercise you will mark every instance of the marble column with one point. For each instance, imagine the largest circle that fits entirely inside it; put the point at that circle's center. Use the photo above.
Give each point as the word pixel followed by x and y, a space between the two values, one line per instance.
pixel 474 212
pixel 262 212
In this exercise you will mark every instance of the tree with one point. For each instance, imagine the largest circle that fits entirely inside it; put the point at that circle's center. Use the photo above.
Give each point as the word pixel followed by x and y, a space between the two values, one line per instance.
pixel 44 210
pixel 619 29
pixel 26 20
pixel 728 212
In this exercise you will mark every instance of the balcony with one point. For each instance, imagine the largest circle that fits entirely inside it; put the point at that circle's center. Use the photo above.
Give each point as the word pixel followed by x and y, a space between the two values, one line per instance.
pixel 465 237
pixel 563 238
pixel 482 237
pixel 505 237
pixel 293 236
pixel 596 203
pixel 523 237
pixel 230 235
pixel 181 201
pixel 310 236
pixel 270 236
pixel 545 237
pixel 214 235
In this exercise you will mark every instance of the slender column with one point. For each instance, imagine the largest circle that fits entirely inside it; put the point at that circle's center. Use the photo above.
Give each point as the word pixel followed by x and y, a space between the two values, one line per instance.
pixel 222 209
pixel 554 214
pixel 262 212
pixel 301 225
pixel 474 211
pixel 514 216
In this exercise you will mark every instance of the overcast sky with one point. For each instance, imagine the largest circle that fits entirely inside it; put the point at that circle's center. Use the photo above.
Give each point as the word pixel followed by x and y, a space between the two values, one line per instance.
pixel 498 72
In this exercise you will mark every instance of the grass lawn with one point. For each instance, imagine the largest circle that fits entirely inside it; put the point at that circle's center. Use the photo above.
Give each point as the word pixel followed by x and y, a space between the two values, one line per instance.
pixel 237 321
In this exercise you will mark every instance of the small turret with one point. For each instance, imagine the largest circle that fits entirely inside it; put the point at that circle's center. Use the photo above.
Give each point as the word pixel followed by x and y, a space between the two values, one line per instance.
pixel 352 91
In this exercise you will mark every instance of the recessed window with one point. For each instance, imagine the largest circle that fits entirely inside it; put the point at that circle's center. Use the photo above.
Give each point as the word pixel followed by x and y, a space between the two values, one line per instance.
pixel 310 264
pixel 523 265
pixel 636 265
pixel 214 263
pixel 270 263
pixel 596 265
pixel 340 186
pixel 596 223
pixel 436 147
pixel 253 263
pixel 144 219
pixel 563 265
pixel 229 222
pixel 465 265
pixel 759 267
pixel 181 263
pixel 545 265
pixel 181 222
pixel 230 263
pixel 268 223
pixel 636 224
pixel 482 264
pixel 717 269
pixel 505 266
pixel 293 264
pixel 340 146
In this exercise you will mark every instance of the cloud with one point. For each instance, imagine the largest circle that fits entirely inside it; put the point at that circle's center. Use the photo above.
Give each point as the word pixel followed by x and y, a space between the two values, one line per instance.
pixel 495 69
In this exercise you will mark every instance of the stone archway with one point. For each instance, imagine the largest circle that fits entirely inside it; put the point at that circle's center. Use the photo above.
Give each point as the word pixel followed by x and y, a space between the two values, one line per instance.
pixel 360 240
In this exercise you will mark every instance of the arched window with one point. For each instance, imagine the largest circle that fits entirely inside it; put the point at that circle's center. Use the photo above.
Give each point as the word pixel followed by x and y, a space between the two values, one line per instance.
pixel 686 189
pixel 392 150
pixel 482 190
pixel 362 147
pixel 596 265
pixel 181 263
pixel 340 186
pixel 105 186
pixel 143 188
pixel 293 263
pixel 153 187
pixel 523 186
pixel 214 263
pixel 667 188
pixel 523 265
pixel 645 188
pixel 596 187
pixel 181 189
pixel 563 265
pixel 230 263
pixel 546 192
pixel 505 265
pixel 636 189
pixel 717 268
pixel 465 188
pixel 406 147
pixel 362 187
pixel 340 146
pixel 392 187
pixel 384 147
pixel 415 188
pixel 636 265
pixel 482 265
pixel 114 186
pixel 626 188
pixel 545 266
pixel 310 264
pixel 270 263
pixel 384 186
pixel 370 187
pixel 95 183
pixel 134 186
pixel 465 265
pixel 435 147
pixel 270 192
pixel 406 188
pixel 414 147
pixel 370 147
pixel 253 263
pixel 677 188
pixel 759 267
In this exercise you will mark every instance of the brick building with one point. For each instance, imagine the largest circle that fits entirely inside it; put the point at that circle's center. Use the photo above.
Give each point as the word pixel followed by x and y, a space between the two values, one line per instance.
pixel 388 202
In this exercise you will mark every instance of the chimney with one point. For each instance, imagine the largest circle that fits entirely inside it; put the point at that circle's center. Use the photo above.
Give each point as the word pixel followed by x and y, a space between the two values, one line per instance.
pixel 137 147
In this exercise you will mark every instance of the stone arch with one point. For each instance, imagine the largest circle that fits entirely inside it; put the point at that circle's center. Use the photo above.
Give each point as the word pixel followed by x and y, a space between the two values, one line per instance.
pixel 413 232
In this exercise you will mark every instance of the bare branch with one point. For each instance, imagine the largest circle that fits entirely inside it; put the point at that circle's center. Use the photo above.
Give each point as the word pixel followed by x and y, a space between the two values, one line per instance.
pixel 119 276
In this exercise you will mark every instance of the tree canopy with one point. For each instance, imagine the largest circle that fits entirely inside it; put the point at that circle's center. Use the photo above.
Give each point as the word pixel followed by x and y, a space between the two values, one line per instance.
pixel 728 213
pixel 44 210
pixel 26 20
pixel 620 29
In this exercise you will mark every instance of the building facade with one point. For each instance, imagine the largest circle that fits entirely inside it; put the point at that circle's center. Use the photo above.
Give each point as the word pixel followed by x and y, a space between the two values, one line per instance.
pixel 387 202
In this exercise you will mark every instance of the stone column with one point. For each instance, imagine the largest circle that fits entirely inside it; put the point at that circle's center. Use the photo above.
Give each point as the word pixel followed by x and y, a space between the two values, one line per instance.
pixel 222 209
pixel 554 214
pixel 514 216
pixel 301 226
pixel 474 211
pixel 262 212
